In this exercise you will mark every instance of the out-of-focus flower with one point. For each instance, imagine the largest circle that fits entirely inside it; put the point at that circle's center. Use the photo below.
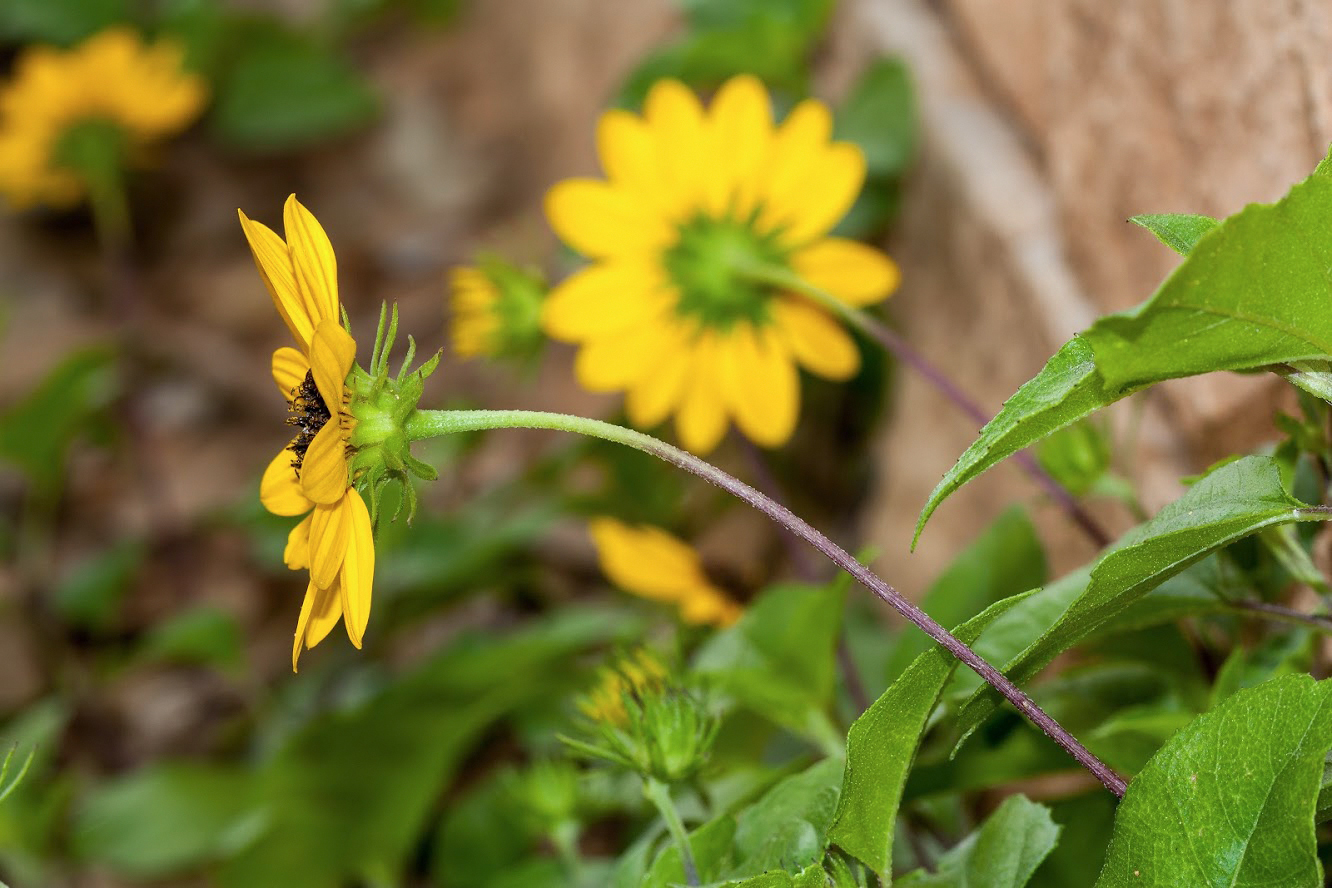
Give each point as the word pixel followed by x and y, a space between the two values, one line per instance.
pixel 696 205
pixel 634 676
pixel 66 112
pixel 311 475
pixel 496 310
pixel 652 564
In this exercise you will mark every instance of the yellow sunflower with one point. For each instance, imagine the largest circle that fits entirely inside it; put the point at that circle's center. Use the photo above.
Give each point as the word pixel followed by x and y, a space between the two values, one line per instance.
pixel 694 203
pixel 496 310
pixel 135 93
pixel 311 476
pixel 652 564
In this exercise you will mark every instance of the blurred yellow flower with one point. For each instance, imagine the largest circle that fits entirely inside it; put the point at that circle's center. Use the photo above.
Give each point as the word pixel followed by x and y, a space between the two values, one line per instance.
pixel 653 564
pixel 111 80
pixel 635 675
pixel 496 310
pixel 310 476
pixel 694 202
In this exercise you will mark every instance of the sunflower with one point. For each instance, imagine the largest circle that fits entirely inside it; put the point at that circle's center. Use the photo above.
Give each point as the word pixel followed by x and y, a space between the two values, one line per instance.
pixel 696 204
pixel 652 564
pixel 310 476
pixel 113 85
pixel 496 310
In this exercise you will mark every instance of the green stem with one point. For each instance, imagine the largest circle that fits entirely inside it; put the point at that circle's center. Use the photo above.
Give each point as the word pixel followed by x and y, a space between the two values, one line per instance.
pixel 433 423
pixel 659 794
pixel 786 279
pixel 96 150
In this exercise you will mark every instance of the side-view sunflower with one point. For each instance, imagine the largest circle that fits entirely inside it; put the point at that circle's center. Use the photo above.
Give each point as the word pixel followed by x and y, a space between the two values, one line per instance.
pixel 113 90
pixel 311 475
pixel 697 209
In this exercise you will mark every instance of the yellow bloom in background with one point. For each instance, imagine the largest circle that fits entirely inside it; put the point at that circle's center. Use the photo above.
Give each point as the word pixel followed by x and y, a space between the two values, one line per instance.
pixel 652 564
pixel 140 93
pixel 636 675
pixel 694 201
pixel 496 310
pixel 310 476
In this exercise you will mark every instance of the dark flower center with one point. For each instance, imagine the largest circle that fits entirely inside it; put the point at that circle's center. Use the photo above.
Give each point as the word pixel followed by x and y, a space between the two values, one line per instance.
pixel 308 414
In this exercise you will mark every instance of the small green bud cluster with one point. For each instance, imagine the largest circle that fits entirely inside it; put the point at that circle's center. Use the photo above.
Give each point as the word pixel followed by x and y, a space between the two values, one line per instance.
pixel 381 405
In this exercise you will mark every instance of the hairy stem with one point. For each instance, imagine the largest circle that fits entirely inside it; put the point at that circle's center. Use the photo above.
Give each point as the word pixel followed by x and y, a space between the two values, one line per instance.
pixel 432 423
pixel 902 350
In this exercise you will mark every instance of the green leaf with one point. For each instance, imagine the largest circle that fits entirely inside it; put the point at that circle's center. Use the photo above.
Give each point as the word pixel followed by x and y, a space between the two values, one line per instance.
pixel 1003 853
pixel 779 658
pixel 1067 389
pixel 285 93
pixel 1005 560
pixel 204 635
pixel 166 818
pixel 882 743
pixel 1227 504
pixel 60 22
pixel 1230 799
pixel 1178 231
pixel 880 116
pixel 1085 822
pixel 89 596
pixel 709 844
pixel 788 827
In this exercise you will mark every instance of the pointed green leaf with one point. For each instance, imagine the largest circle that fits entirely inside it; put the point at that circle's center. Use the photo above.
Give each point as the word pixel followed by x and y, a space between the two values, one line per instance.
pixel 1178 231
pixel 882 744
pixel 1001 854
pixel 1227 504
pixel 1067 389
pixel 788 827
pixel 1230 799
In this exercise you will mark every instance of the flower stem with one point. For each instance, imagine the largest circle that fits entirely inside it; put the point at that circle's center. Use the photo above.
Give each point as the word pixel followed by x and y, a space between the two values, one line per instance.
pixel 659 794
pixel 902 350
pixel 433 423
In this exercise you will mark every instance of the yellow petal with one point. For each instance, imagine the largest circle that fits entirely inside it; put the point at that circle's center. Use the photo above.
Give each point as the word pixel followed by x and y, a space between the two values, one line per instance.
pixel 312 259
pixel 358 567
pixel 599 220
pixel 604 298
pixel 332 352
pixel 319 614
pixel 700 420
pixel 280 491
pixel 740 129
pixel 330 527
pixel 760 385
pixel 675 119
pixel 274 263
pixel 289 369
pixel 629 158
pixel 816 339
pixel 709 609
pixel 619 360
pixel 646 561
pixel 655 395
pixel 297 553
pixel 324 470
pixel 853 272
pixel 812 209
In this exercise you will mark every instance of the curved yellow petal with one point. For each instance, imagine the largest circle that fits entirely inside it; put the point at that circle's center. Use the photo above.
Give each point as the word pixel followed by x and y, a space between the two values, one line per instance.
pixel 330 527
pixel 319 614
pixel 332 352
pixel 324 470
pixel 646 560
pixel 816 339
pixel 273 260
pixel 289 368
pixel 709 609
pixel 740 132
pixel 853 272
pixel 358 567
pixel 760 385
pixel 812 209
pixel 312 260
pixel 599 220
pixel 629 158
pixel 604 298
pixel 297 553
pixel 675 119
pixel 280 491
pixel 700 419
pixel 618 360
pixel 655 395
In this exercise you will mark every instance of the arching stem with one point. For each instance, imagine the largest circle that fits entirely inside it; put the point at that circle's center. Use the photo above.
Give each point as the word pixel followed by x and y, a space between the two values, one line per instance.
pixel 433 423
